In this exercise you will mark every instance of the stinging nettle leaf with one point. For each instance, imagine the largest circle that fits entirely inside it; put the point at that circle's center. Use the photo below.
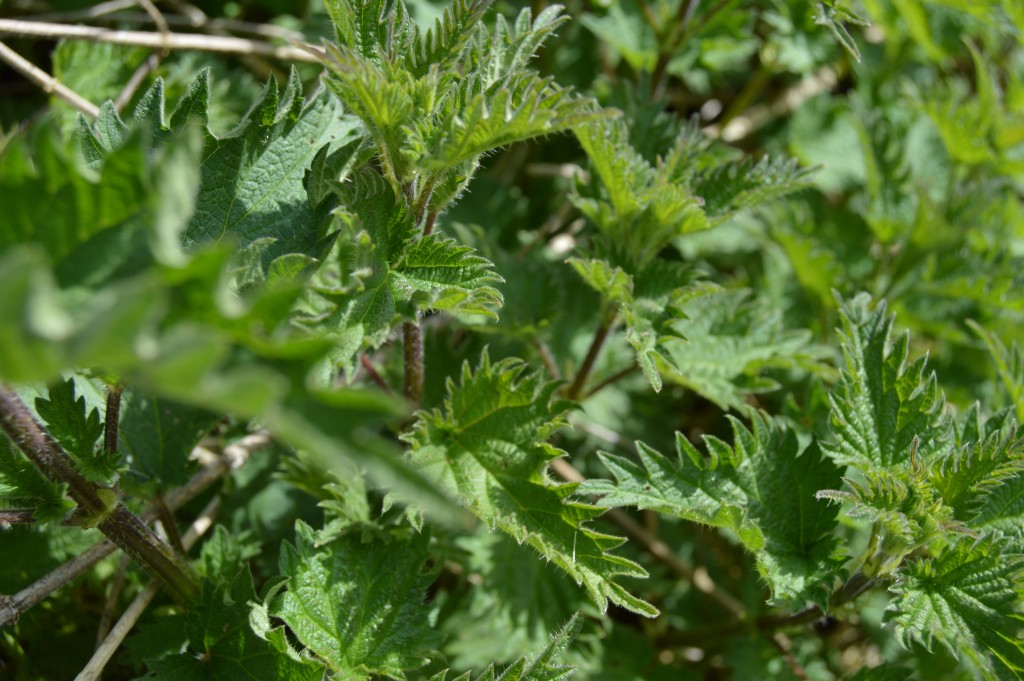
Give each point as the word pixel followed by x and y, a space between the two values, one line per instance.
pixel 721 342
pixel 488 446
pixel 762 487
pixel 78 429
pixel 223 647
pixel 541 668
pixel 159 435
pixel 883 405
pixel 252 178
pixel 22 485
pixel 356 602
pixel 971 471
pixel 968 599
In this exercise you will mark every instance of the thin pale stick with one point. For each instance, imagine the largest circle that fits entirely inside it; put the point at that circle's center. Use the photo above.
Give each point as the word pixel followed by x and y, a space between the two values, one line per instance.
pixel 126 622
pixel 46 82
pixel 170 41
pixel 103 628
pixel 137 78
pixel 94 12
pixel 217 26
pixel 155 15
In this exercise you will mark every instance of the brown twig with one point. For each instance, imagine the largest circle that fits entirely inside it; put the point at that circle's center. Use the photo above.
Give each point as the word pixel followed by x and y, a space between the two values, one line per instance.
pixel 757 117
pixel 235 454
pixel 94 669
pixel 785 646
pixel 854 587
pixel 374 375
pixel 578 383
pixel 412 348
pixel 547 358
pixel 170 41
pixel 156 15
pixel 617 376
pixel 46 82
pixel 113 518
pixel 136 80
pixel 98 10
pixel 17 516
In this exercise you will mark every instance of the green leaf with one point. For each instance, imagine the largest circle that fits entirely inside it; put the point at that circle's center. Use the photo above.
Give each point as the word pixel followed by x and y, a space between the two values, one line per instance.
pixel 636 207
pixel 78 430
pixel 449 275
pixel 160 434
pixel 371 28
pixel 624 29
pixel 443 44
pixel 223 647
pixel 1009 365
pixel 434 105
pixel 489 447
pixel 971 471
pixel 730 188
pixel 762 487
pixel 23 486
pixel 723 341
pixel 882 404
pixel 513 610
pixel 526 106
pixel 58 203
pixel 357 602
pixel 382 273
pixel 541 668
pixel 252 177
pixel 905 512
pixel 968 599
pixel 647 303
pixel 834 16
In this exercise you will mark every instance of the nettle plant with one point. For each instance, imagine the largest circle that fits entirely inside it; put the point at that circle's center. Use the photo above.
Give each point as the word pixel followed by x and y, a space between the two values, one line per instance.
pixel 412 432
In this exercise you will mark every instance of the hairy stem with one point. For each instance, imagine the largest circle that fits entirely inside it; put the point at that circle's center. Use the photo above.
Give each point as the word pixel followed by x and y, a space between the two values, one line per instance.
pixel 12 607
pixel 122 526
pixel 412 339
pixel 112 418
pixel 600 336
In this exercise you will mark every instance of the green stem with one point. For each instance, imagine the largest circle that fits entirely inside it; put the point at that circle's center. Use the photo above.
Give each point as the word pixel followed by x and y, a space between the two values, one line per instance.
pixel 119 524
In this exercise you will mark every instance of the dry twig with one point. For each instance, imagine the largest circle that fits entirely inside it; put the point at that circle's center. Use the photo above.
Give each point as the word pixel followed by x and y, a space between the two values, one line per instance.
pixel 44 80
pixel 169 41
pixel 131 615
